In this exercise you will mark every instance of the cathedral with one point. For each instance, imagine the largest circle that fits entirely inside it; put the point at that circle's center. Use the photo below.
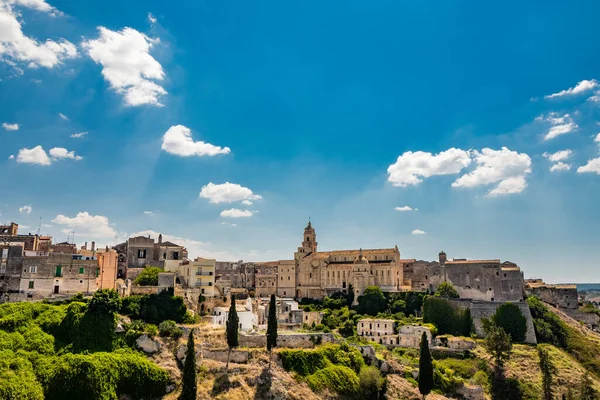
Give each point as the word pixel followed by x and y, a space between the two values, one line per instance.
pixel 321 273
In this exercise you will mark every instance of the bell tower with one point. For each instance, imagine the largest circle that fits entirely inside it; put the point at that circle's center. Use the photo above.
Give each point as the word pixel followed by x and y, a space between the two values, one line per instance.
pixel 309 242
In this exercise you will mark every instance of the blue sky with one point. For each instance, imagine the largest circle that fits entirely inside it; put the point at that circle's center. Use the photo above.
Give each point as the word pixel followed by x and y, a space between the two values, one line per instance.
pixel 155 117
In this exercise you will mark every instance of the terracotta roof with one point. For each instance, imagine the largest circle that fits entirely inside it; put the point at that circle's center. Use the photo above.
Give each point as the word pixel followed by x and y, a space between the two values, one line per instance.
pixel 407 260
pixel 352 253
pixel 473 262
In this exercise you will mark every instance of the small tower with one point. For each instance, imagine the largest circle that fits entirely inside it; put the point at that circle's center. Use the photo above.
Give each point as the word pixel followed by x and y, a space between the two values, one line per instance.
pixel 309 242
pixel 442 257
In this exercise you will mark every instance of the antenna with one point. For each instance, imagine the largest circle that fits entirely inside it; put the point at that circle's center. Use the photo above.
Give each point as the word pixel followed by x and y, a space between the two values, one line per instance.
pixel 39 227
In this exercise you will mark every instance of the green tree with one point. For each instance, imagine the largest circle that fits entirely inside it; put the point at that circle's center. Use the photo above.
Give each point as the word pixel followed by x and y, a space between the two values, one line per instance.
pixel 371 382
pixel 548 370
pixel 446 290
pixel 272 328
pixel 372 302
pixel 232 327
pixel 497 342
pixel 425 368
pixel 510 318
pixel 350 296
pixel 348 328
pixel 467 320
pixel 587 391
pixel 148 277
pixel 189 390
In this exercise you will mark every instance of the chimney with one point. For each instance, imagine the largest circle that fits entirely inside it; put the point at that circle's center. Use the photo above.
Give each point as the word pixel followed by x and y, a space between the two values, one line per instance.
pixel 93 246
pixel 159 238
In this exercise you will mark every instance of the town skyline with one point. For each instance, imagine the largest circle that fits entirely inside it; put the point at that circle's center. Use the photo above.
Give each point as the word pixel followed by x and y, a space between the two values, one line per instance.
pixel 225 129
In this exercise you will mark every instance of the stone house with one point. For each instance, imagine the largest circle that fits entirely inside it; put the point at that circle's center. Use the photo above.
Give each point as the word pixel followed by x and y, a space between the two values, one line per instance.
pixel 375 327
pixel 265 276
pixel 563 296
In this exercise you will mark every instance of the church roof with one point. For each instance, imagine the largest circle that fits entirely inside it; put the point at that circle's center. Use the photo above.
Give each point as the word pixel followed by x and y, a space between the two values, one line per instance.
pixel 473 262
pixel 353 253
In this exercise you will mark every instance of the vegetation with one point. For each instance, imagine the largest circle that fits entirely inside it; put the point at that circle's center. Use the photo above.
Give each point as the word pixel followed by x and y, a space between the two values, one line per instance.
pixel 40 358
pixel 190 389
pixel 497 343
pixel 371 382
pixel 447 318
pixel 169 328
pixel 425 368
pixel 372 301
pixel 548 370
pixel 511 319
pixel 155 308
pixel 446 290
pixel 148 277
pixel 232 330
pixel 272 328
pixel 587 391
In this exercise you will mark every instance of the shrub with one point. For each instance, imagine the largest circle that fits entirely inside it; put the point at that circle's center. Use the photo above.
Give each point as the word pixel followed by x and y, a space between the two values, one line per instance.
pixel 446 290
pixel 303 362
pixel 548 326
pixel 348 328
pixel 510 318
pixel 148 277
pixel 447 318
pixel 372 302
pixel 371 382
pixel 336 378
pixel 169 329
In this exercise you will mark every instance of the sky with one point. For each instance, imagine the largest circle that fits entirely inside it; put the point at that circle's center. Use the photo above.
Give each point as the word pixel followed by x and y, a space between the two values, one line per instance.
pixel 456 126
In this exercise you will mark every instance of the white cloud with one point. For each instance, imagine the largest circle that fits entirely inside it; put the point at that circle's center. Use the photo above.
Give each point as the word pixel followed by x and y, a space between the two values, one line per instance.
pixel 178 140
pixel 597 139
pixel 25 209
pixel 410 166
pixel 38 155
pixel 127 64
pixel 11 157
pixel 227 193
pixel 559 125
pixel 405 208
pixel 581 87
pixel 560 166
pixel 237 213
pixel 228 223
pixel 10 127
pixel 149 212
pixel 78 135
pixel 593 166
pixel 418 232
pixel 20 48
pixel 504 166
pixel 86 225
pixel 246 202
pixel 151 19
pixel 559 155
pixel 61 152
pixel 63 117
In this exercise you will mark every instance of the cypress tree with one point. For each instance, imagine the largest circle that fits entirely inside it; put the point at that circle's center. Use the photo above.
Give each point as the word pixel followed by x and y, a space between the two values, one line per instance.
pixel 425 368
pixel 467 327
pixel 232 327
pixel 189 371
pixel 272 328
pixel 548 369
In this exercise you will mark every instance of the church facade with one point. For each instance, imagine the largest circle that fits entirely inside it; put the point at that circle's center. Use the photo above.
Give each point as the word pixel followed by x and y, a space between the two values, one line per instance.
pixel 321 273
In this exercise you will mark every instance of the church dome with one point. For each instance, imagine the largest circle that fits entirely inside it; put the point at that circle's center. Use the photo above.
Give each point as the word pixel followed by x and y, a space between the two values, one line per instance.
pixel 309 228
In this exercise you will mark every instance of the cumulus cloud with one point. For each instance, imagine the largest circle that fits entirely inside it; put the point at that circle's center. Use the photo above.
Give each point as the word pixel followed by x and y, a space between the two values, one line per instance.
pixel 505 167
pixel 178 140
pixel 25 210
pixel 237 213
pixel 405 208
pixel 559 155
pixel 38 155
pixel 227 193
pixel 127 65
pixel 15 47
pixel 246 202
pixel 592 166
pixel 597 139
pixel 559 125
pixel 78 135
pixel 410 166
pixel 151 19
pixel 581 87
pixel 149 212
pixel 228 223
pixel 10 127
pixel 86 225
pixel 63 117
pixel 60 152
pixel 560 166
pixel 418 232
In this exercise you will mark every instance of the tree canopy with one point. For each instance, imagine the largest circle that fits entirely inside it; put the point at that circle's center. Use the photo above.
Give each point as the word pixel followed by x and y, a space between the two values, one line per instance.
pixel 510 318
pixel 148 277
pixel 425 367
pixel 446 290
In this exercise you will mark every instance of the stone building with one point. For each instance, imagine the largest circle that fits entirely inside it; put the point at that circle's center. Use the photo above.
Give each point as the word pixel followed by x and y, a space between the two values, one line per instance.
pixel 11 265
pixel 563 296
pixel 320 273
pixel 265 276
pixel 375 327
pixel 487 280
pixel 235 274
pixel 286 278
pixel 107 265
pixel 10 234
pixel 199 273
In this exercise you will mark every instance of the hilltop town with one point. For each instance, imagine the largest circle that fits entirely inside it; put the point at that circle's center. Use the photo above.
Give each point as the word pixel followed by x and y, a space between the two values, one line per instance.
pixel 371 299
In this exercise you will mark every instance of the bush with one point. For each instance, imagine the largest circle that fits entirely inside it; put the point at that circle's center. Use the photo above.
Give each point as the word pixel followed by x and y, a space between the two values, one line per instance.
pixel 155 308
pixel 371 382
pixel 148 277
pixel 307 362
pixel 446 290
pixel 372 302
pixel 447 318
pixel 336 378
pixel 348 328
pixel 169 329
pixel 548 326
pixel 510 318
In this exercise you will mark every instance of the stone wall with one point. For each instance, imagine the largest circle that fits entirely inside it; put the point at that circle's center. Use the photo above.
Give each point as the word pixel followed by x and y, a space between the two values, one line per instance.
pixel 591 320
pixel 136 289
pixel 312 316
pixel 564 296
pixel 287 340
pixel 485 309
pixel 237 356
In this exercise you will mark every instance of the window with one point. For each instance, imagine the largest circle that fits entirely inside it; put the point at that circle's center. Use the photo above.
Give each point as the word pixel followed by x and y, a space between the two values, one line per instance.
pixel 4 253
pixel 284 294
pixel 80 281
pixel 81 270
pixel 165 256
pixel 33 270
pixel 141 253
pixel 175 255
pixel 58 270
pixel 310 275
pixel 30 284
pixel 289 278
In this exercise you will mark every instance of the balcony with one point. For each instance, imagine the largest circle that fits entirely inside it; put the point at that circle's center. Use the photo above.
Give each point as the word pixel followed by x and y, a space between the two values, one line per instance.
pixel 201 273
pixel 203 284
